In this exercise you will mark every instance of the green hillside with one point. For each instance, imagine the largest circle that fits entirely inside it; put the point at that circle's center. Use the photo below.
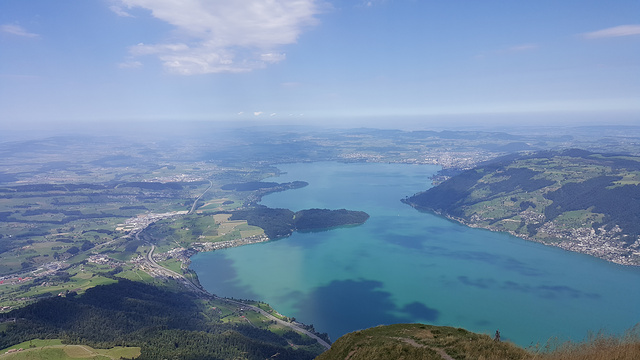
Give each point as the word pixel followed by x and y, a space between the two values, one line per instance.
pixel 417 341
pixel 426 342
pixel 573 199
pixel 53 349
pixel 162 323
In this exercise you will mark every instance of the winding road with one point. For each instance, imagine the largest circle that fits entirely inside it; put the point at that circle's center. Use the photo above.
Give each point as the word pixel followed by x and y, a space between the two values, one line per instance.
pixel 294 327
pixel 172 274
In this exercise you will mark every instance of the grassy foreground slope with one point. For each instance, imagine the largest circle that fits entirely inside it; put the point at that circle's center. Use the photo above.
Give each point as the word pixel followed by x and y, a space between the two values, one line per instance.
pixel 417 341
pixel 426 342
pixel 53 349
pixel 573 199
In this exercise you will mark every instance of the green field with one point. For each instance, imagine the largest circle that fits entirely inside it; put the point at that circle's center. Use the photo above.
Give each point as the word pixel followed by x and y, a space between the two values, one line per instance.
pixel 54 350
pixel 76 279
pixel 184 231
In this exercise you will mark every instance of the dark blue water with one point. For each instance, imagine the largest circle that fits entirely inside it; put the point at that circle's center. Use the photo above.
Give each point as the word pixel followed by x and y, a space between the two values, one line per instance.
pixel 406 266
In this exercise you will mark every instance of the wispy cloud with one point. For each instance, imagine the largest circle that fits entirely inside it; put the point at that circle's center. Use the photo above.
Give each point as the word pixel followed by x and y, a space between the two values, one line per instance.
pixel 616 31
pixel 118 10
pixel 226 36
pixel 370 3
pixel 16 30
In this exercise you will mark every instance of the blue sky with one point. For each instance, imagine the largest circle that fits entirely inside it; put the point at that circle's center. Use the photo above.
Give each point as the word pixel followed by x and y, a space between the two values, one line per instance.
pixel 313 61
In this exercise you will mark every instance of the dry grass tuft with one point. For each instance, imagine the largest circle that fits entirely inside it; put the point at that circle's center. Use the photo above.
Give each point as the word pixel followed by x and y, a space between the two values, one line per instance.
pixel 599 347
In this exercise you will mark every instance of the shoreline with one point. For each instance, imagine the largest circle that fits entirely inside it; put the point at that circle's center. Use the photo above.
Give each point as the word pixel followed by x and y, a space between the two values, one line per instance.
pixel 194 285
pixel 563 244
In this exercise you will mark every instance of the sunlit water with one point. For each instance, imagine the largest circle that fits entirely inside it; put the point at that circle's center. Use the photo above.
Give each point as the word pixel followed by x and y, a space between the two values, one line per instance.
pixel 403 265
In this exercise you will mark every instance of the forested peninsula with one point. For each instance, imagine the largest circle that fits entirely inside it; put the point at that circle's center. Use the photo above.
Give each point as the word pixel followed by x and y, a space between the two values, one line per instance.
pixel 283 222
pixel 262 188
pixel 574 199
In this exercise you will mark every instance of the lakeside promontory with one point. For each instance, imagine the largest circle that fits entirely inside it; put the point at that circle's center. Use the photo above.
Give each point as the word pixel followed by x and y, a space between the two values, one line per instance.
pixel 282 222
pixel 573 199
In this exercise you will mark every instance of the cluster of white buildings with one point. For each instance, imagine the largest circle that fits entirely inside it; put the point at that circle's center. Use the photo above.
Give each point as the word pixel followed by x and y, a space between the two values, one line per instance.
pixel 142 221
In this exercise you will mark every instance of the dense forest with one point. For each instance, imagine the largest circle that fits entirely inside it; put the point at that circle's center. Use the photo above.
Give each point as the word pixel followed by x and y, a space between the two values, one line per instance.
pixel 282 222
pixel 314 219
pixel 165 324
pixel 276 223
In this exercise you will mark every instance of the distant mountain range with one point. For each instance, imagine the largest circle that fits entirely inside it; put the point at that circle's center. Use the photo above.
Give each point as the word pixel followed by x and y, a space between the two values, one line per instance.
pixel 574 199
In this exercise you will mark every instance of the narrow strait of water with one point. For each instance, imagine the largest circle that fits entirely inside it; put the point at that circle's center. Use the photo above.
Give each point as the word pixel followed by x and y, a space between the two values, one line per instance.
pixel 403 265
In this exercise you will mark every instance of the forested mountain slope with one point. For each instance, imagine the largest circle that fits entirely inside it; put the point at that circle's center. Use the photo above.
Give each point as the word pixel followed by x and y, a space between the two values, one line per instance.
pixel 573 199
pixel 165 324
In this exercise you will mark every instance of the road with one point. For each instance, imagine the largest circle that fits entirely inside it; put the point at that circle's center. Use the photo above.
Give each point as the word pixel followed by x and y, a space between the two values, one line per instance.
pixel 172 274
pixel 281 322
pixel 193 207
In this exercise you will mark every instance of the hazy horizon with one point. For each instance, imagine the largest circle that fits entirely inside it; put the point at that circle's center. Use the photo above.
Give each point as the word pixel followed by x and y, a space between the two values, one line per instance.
pixel 316 62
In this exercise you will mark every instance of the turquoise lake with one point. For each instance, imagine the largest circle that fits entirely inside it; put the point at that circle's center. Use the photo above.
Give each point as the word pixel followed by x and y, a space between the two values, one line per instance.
pixel 403 265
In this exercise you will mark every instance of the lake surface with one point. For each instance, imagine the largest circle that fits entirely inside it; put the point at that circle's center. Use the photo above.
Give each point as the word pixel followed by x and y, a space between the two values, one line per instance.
pixel 403 265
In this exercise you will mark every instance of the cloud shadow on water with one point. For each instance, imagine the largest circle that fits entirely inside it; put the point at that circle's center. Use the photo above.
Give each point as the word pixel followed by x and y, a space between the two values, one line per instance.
pixel 419 311
pixel 506 263
pixel 409 242
pixel 550 291
pixel 347 305
pixel 543 291
pixel 478 282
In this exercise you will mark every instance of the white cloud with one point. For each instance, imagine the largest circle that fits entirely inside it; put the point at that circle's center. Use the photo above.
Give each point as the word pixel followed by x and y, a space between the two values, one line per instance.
pixel 272 58
pixel 17 30
pixel 257 113
pixel 370 3
pixel 622 30
pixel 119 11
pixel 142 49
pixel 226 35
